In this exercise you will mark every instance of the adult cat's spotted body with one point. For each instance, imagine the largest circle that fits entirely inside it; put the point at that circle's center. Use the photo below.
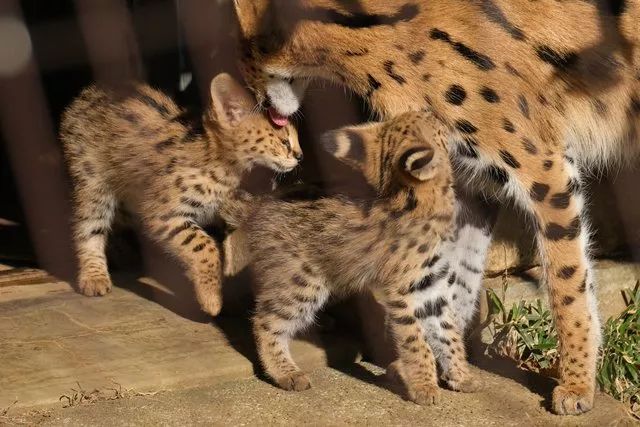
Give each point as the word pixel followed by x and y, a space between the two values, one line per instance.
pixel 137 150
pixel 535 92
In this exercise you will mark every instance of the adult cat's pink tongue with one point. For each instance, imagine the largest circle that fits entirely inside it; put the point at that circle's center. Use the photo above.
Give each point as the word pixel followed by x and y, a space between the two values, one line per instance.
pixel 277 118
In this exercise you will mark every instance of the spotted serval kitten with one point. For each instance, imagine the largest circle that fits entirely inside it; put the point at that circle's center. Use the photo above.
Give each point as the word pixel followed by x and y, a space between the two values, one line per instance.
pixel 136 149
pixel 535 92
pixel 304 251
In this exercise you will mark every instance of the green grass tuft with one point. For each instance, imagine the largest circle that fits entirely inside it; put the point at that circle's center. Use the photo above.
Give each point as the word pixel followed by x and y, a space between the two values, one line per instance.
pixel 525 333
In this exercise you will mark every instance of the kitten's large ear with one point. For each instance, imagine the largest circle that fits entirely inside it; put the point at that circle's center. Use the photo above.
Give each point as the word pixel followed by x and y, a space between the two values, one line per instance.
pixel 347 144
pixel 416 161
pixel 249 13
pixel 229 100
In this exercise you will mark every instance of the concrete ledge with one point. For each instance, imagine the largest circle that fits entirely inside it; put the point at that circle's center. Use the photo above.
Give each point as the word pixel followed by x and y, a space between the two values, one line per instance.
pixel 52 338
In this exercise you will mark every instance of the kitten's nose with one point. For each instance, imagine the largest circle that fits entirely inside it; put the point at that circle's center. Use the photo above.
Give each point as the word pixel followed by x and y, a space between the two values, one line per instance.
pixel 299 156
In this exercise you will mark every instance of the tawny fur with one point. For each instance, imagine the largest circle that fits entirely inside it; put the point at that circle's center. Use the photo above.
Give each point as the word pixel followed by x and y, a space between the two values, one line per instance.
pixel 135 148
pixel 304 251
pixel 536 93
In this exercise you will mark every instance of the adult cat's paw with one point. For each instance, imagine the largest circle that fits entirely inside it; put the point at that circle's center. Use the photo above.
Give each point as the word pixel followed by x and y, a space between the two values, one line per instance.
pixel 94 286
pixel 297 381
pixel 572 400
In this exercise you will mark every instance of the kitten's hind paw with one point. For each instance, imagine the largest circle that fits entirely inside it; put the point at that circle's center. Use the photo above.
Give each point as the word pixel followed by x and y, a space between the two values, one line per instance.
pixel 94 286
pixel 297 381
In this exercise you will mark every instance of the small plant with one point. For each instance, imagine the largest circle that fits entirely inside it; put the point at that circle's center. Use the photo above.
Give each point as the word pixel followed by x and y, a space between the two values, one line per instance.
pixel 525 333
pixel 619 364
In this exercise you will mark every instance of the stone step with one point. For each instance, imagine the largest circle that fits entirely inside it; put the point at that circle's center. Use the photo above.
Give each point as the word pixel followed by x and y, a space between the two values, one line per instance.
pixel 53 338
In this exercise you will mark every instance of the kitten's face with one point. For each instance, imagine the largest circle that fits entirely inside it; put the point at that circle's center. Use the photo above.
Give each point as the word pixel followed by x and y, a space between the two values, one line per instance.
pixel 250 133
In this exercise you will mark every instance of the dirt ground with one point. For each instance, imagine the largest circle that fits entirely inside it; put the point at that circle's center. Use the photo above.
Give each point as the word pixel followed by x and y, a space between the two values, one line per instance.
pixel 360 395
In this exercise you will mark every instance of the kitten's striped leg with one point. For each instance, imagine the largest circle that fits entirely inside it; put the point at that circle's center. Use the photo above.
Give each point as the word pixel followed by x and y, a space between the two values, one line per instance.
pixel 197 252
pixel 283 310
pixel 447 342
pixel 455 280
pixel 94 210
pixel 416 366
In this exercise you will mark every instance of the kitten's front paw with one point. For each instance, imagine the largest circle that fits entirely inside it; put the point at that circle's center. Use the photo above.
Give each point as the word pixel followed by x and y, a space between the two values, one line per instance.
pixel 467 385
pixel 572 400
pixel 211 304
pixel 425 395
pixel 297 381
pixel 94 286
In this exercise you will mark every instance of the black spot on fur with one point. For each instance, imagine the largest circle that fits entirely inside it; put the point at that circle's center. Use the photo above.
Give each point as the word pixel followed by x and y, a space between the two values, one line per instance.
pixel 358 19
pixel 196 204
pixel 497 16
pixel 152 103
pixel 431 309
pixel 560 61
pixel 561 200
pixel 583 286
pixel 412 203
pixel 299 281
pixel 466 148
pixel 470 267
pixel 465 126
pixel 567 272
pixel 388 68
pixel 547 164
pixel 429 279
pixel 98 231
pixel 509 159
pixel 508 126
pixel 489 95
pixel 599 107
pixel 446 325
pixel 523 105
pixel 404 320
pixel 568 300
pixel 177 230
pixel 162 145
pixel 373 85
pixel 455 95
pixel 397 304
pixel 417 56
pixel 529 146
pixel 189 238
pixel 431 262
pixel 497 174
pixel 199 247
pixel 557 232
pixel 539 191
pixel 483 62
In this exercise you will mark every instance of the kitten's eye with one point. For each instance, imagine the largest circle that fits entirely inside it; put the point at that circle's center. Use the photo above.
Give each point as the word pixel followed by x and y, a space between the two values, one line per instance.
pixel 290 80
pixel 286 143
